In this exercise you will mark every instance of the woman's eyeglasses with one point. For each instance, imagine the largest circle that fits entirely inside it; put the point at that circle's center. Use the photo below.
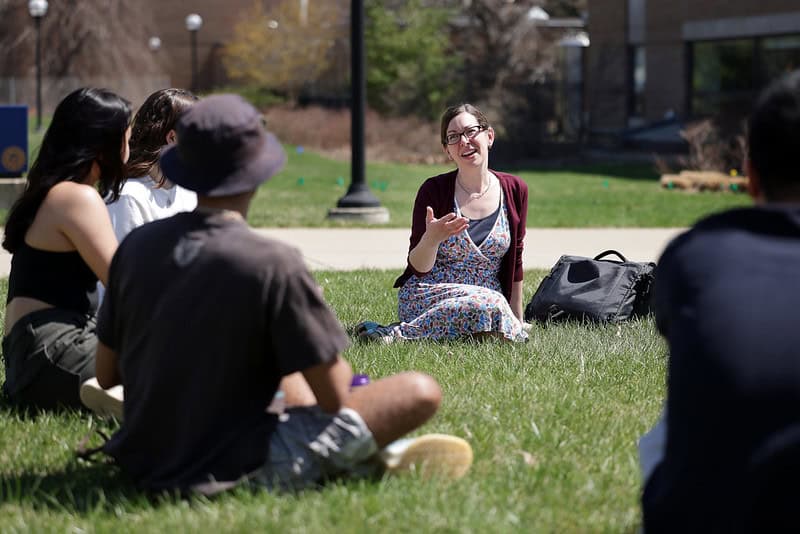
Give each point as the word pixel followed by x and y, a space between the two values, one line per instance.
pixel 469 133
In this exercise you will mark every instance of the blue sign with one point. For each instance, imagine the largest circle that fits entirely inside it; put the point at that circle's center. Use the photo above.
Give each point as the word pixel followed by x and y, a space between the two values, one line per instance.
pixel 13 141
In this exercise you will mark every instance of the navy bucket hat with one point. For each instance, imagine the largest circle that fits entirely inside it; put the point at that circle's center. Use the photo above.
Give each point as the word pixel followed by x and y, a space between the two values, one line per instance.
pixel 223 148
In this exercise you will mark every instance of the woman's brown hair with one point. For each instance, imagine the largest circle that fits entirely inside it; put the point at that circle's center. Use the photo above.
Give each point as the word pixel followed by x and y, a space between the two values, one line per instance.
pixel 152 123
pixel 453 111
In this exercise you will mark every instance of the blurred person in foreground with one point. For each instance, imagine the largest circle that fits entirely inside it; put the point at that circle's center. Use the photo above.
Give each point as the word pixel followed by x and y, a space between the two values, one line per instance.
pixel 203 319
pixel 464 273
pixel 725 457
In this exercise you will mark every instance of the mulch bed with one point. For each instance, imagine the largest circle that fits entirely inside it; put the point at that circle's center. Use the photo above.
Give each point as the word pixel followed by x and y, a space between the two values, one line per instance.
pixel 704 181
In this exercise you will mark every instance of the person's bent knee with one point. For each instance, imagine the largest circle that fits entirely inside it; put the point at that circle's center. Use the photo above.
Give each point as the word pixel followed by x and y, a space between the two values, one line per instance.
pixel 425 391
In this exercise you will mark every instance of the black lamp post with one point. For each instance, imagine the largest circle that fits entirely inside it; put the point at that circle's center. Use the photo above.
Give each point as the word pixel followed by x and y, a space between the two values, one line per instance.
pixel 358 202
pixel 193 23
pixel 38 9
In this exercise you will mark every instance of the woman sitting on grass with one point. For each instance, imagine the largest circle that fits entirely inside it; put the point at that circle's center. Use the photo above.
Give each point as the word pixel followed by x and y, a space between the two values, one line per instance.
pixel 464 273
pixel 62 242
pixel 147 195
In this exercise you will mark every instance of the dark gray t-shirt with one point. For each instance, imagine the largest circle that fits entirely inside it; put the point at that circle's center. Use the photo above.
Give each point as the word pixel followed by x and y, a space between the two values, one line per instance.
pixel 206 316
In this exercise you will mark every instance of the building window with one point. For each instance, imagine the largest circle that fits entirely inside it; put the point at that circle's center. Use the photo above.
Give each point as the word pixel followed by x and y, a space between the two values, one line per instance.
pixel 722 76
pixel 780 55
pixel 638 80
pixel 727 75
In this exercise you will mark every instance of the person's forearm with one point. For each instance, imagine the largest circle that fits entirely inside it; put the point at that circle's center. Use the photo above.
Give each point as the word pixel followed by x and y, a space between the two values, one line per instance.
pixel 516 299
pixel 423 256
pixel 106 370
pixel 296 391
pixel 330 383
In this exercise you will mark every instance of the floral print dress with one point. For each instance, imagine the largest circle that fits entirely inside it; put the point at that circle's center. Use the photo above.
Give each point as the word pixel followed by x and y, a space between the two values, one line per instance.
pixel 461 295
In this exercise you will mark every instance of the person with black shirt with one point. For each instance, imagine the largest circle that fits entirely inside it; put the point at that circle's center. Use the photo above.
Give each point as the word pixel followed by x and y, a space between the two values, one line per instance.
pixel 726 295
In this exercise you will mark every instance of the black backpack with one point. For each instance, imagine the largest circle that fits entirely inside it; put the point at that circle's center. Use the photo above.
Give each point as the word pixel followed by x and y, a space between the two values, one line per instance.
pixel 593 289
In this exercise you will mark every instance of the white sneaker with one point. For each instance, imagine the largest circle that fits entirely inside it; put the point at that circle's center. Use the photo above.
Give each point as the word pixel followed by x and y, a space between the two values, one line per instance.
pixel 439 455
pixel 105 402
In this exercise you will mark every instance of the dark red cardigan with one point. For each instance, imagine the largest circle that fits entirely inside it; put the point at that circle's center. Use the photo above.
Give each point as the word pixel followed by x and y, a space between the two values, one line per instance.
pixel 439 191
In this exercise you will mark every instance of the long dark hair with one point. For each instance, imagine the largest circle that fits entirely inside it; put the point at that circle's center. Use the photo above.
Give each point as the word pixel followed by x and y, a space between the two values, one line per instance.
pixel 152 123
pixel 88 126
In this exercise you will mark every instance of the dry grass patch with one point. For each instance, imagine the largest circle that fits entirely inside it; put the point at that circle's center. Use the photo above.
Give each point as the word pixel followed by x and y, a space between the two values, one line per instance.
pixel 327 131
pixel 704 181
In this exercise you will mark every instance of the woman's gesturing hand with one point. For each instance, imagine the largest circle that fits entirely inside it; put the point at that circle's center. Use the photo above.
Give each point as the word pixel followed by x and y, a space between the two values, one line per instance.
pixel 442 228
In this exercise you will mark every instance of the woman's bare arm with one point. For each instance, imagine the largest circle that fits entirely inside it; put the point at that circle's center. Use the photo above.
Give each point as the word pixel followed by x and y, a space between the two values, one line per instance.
pixel 81 216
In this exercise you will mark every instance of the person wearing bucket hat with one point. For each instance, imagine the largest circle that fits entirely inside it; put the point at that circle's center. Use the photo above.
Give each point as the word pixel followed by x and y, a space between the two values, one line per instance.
pixel 204 318
pixel 223 149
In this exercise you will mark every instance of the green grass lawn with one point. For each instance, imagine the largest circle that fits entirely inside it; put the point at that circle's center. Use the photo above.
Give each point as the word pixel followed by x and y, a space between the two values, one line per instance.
pixel 553 424
pixel 609 195
pixel 622 195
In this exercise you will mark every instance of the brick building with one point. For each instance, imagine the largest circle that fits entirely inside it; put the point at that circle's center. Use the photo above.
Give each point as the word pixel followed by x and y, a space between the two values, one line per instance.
pixel 100 57
pixel 219 20
pixel 655 59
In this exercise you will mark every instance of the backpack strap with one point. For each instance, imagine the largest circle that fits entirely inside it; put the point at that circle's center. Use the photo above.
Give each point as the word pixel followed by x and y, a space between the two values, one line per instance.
pixel 608 253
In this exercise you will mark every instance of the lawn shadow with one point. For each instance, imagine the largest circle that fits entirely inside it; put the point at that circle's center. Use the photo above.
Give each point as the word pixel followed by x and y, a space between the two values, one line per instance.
pixel 370 332
pixel 84 488
pixel 25 413
pixel 79 488
pixel 103 426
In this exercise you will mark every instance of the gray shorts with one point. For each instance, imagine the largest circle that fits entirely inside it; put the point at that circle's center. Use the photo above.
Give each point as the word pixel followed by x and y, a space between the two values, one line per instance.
pixel 309 447
pixel 47 355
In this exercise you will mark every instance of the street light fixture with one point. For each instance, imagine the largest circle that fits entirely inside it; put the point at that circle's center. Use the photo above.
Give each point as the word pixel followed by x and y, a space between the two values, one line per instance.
pixel 575 40
pixel 38 9
pixel 193 23
pixel 538 14
pixel 154 43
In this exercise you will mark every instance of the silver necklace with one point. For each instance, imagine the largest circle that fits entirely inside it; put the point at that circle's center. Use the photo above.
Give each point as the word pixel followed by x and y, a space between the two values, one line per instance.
pixel 475 196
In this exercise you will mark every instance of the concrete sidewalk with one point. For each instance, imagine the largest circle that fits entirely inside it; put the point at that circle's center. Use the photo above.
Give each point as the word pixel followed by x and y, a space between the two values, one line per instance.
pixel 344 249
pixel 347 249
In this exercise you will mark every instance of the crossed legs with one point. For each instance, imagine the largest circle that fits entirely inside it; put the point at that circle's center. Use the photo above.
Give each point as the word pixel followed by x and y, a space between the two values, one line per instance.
pixel 391 407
